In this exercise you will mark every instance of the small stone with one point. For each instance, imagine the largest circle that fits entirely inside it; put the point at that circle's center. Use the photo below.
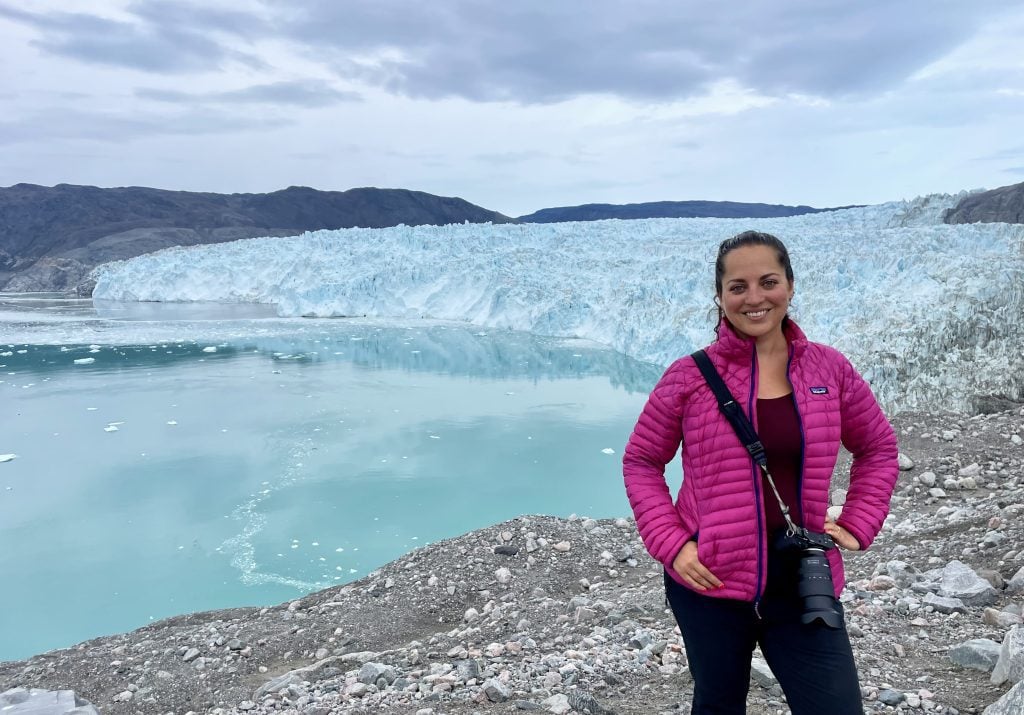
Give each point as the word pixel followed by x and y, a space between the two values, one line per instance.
pixel 971 470
pixel 761 674
pixel 190 655
pixel 497 691
pixel 503 575
pixel 122 697
pixel 882 583
pixel 562 546
pixel 247 705
pixel 1000 619
pixel 937 492
pixel 944 604
pixel 928 479
pixel 557 704
pixel 890 697
pixel 905 462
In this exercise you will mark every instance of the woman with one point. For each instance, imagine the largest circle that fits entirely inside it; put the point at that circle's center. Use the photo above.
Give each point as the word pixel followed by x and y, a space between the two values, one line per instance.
pixel 728 588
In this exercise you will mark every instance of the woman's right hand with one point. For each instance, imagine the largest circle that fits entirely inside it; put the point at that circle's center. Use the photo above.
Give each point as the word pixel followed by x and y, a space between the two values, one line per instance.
pixel 692 571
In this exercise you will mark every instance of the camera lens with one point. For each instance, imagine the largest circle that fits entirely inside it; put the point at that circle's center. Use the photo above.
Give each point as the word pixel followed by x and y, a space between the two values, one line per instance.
pixel 816 591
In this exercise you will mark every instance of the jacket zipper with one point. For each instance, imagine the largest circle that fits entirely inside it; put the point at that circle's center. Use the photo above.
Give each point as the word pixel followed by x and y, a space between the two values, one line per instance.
pixel 803 444
pixel 756 475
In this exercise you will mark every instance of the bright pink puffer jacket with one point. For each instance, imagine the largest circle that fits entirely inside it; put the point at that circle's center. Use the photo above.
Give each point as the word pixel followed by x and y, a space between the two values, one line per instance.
pixel 720 501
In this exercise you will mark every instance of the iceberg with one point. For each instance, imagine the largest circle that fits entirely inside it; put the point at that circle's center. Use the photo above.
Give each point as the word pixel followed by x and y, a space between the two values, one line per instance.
pixel 930 313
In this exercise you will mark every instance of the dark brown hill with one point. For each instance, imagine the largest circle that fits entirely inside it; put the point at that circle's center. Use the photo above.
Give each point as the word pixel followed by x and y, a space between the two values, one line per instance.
pixel 1002 205
pixel 51 237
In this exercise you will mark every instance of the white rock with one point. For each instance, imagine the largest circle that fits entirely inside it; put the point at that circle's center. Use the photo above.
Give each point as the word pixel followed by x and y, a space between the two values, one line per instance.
pixel 1012 702
pixel 971 470
pixel 905 462
pixel 557 704
pixel 503 575
pixel 562 546
pixel 1010 666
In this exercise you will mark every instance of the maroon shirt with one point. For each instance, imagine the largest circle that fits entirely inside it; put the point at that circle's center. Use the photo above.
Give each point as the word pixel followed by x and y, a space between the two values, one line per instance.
pixel 778 426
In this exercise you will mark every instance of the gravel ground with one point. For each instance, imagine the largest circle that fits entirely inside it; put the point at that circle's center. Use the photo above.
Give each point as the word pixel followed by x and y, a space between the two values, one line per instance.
pixel 549 614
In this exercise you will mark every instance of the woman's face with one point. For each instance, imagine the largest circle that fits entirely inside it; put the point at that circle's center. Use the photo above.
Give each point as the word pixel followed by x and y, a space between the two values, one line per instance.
pixel 755 293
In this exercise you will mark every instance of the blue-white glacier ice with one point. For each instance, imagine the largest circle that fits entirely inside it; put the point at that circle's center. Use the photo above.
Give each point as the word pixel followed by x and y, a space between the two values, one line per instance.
pixel 930 313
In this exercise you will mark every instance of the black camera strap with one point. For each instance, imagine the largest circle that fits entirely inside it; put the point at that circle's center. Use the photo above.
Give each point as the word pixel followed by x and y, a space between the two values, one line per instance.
pixel 744 429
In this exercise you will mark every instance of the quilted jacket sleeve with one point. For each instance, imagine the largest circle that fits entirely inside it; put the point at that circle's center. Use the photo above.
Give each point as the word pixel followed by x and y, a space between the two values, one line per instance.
pixel 871 440
pixel 653 444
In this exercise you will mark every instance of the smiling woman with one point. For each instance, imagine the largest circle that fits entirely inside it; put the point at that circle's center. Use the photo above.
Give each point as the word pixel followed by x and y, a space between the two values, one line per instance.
pixel 727 582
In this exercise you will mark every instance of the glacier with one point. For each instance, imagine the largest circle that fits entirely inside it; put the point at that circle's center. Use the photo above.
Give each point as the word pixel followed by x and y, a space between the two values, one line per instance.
pixel 930 313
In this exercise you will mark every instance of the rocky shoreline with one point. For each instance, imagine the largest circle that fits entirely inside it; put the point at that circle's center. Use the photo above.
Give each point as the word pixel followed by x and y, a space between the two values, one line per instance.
pixel 560 615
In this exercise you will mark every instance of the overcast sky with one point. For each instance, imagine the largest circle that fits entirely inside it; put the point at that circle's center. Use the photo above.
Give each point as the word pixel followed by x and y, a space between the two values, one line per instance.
pixel 518 105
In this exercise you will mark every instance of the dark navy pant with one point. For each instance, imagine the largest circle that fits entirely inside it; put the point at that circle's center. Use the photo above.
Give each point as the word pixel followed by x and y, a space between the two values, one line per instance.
pixel 813 663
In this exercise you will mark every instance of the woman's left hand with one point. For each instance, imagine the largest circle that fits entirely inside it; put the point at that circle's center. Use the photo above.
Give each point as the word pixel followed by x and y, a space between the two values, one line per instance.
pixel 841 536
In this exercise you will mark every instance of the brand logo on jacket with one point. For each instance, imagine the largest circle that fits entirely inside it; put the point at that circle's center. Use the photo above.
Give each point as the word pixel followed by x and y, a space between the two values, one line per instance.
pixel 819 390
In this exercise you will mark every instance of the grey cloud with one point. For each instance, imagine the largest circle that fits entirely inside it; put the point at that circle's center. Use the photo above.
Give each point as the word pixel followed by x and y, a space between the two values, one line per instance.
pixel 539 51
pixel 1019 170
pixel 145 45
pixel 301 94
pixel 97 126
pixel 512 157
pixel 1008 154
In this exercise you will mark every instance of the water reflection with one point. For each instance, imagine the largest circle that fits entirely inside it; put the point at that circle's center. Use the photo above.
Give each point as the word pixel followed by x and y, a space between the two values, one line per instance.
pixel 448 349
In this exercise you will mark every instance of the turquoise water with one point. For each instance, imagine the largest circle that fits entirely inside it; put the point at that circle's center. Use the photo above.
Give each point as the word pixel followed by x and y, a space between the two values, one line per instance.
pixel 201 457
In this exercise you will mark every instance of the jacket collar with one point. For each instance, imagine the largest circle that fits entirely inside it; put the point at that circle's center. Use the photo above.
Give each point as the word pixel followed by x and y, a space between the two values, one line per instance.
pixel 734 347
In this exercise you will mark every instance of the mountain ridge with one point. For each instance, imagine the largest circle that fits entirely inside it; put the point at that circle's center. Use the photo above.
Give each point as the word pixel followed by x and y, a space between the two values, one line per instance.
pixel 669 209
pixel 51 237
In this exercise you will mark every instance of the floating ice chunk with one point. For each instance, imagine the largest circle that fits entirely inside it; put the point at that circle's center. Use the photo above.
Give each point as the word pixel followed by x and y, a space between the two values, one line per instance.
pixel 434 436
pixel 210 349
pixel 339 550
pixel 91 409
pixel 110 428
pixel 85 361
pixel 608 450
pixel 172 422
pixel 7 457
pixel 315 543
pixel 115 424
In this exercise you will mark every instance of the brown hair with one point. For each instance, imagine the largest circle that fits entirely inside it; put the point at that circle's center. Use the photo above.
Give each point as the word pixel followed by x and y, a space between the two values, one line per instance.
pixel 749 238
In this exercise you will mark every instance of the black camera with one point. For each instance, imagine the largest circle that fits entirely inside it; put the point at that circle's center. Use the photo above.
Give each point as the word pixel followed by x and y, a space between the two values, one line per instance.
pixel 814 575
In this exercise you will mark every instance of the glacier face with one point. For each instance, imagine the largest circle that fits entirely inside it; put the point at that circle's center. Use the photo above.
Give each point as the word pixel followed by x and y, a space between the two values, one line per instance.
pixel 930 313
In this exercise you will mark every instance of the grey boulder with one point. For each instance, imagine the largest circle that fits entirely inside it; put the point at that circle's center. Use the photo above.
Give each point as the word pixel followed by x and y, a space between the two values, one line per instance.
pixel 1010 666
pixel 977 653
pixel 19 701
pixel 959 580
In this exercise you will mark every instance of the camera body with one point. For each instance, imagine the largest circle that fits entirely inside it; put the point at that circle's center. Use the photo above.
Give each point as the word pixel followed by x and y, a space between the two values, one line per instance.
pixel 814 581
